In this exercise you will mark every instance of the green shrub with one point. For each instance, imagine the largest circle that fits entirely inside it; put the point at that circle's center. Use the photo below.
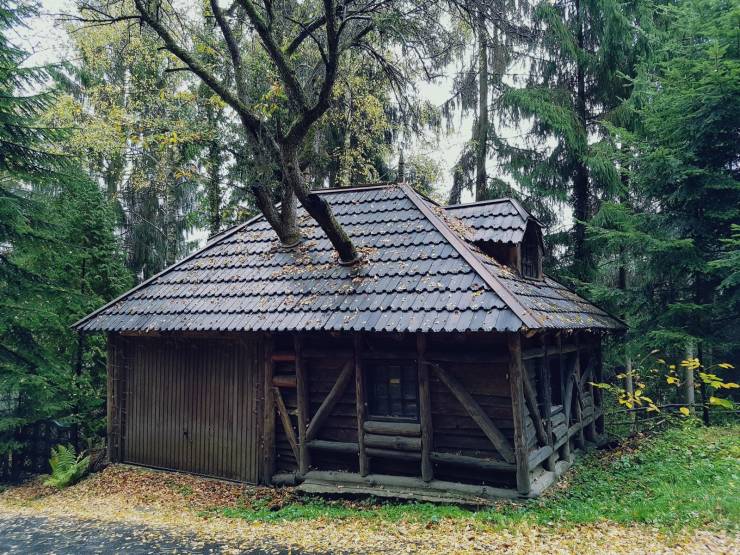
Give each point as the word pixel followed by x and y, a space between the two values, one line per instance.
pixel 66 466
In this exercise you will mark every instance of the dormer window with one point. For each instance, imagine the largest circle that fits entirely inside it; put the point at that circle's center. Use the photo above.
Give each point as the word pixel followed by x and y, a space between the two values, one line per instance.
pixel 531 254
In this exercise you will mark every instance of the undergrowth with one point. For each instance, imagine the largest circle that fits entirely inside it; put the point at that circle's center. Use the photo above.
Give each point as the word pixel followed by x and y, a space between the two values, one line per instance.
pixel 686 477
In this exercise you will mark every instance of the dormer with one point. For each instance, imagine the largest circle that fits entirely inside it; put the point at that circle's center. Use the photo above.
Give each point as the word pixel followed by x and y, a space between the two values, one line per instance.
pixel 503 229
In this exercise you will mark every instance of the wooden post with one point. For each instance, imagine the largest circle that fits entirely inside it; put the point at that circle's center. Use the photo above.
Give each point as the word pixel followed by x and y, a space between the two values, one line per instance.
pixel 546 388
pixel 268 429
pixel 565 449
pixel 598 394
pixel 425 411
pixel 303 407
pixel 360 404
pixel 517 404
pixel 581 437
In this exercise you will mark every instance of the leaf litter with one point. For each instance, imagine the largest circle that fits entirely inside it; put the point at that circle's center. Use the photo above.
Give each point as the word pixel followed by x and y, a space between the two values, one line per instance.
pixel 193 507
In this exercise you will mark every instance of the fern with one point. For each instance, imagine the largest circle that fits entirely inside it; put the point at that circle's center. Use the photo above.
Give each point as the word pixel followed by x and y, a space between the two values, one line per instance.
pixel 66 466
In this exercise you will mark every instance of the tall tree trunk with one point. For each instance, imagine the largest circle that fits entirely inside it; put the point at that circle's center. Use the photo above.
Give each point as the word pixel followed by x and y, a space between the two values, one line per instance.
pixel 481 145
pixel 458 182
pixel 581 189
pixel 215 162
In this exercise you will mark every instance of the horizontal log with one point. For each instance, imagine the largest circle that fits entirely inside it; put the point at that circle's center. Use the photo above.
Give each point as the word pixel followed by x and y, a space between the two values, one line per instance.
pixel 284 380
pixel 472 462
pixel 345 447
pixel 402 486
pixel 391 454
pixel 283 357
pixel 285 479
pixel 407 429
pixel 393 442
pixel 538 456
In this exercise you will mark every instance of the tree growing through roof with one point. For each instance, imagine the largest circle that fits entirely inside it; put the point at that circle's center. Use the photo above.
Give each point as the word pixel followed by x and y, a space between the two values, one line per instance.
pixel 277 69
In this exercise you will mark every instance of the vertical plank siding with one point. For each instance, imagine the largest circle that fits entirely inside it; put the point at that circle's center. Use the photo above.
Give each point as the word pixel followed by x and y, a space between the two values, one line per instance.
pixel 192 405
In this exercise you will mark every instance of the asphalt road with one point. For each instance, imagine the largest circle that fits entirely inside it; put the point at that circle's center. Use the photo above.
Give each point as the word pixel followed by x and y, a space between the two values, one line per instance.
pixel 21 534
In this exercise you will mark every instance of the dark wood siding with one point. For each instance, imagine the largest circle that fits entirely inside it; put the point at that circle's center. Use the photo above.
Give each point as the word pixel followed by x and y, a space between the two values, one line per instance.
pixel 192 405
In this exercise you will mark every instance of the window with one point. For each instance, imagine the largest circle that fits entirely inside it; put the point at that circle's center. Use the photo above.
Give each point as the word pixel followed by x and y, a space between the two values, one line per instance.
pixel 393 391
pixel 531 258
pixel 531 254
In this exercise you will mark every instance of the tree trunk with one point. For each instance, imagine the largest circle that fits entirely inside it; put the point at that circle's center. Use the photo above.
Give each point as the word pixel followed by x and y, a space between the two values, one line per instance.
pixel 629 387
pixel 581 189
pixel 689 378
pixel 457 186
pixel 481 146
pixel 316 207
pixel 213 186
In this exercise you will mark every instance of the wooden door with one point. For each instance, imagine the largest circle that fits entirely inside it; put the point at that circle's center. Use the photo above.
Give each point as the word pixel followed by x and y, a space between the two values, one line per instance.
pixel 192 405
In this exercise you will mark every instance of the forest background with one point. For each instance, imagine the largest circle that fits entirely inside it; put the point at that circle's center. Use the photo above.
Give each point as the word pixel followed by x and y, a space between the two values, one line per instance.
pixel 616 123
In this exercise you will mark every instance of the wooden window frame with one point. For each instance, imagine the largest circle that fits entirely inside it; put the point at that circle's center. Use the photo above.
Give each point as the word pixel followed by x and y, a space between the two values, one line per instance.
pixel 370 366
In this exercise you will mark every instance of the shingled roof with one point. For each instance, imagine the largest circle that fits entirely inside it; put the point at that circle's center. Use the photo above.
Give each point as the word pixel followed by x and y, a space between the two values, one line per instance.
pixel 500 221
pixel 417 274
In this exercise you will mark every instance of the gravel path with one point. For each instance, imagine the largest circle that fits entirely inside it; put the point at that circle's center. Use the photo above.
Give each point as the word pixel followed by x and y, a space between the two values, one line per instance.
pixel 72 536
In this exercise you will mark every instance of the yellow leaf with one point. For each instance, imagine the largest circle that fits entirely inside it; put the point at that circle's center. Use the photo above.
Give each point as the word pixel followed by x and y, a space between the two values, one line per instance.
pixel 730 385
pixel 672 380
pixel 724 403
pixel 684 411
pixel 725 365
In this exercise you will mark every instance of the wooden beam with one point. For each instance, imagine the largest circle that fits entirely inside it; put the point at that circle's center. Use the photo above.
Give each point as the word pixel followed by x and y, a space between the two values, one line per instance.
pixel 472 462
pixel 581 438
pixel 530 397
pixel 598 393
pixel 360 404
pixel 540 455
pixel 392 454
pixel 287 424
pixel 565 448
pixel 330 400
pixel 546 387
pixel 407 429
pixel 303 407
pixel 284 381
pixel 345 447
pixel 399 443
pixel 268 428
pixel 516 375
pixel 283 357
pixel 401 486
pixel 475 411
pixel 425 410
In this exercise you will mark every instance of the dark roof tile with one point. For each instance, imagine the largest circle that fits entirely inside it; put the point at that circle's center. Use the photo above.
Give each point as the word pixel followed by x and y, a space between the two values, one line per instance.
pixel 413 278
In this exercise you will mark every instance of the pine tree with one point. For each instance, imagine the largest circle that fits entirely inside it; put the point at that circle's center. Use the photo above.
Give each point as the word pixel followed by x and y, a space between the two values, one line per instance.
pixel 672 229
pixel 58 258
pixel 577 82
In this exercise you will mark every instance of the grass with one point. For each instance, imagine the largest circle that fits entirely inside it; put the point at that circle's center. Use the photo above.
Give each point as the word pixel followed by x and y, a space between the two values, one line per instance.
pixel 686 477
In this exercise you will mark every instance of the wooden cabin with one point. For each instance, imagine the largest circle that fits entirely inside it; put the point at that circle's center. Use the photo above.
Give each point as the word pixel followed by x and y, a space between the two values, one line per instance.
pixel 444 367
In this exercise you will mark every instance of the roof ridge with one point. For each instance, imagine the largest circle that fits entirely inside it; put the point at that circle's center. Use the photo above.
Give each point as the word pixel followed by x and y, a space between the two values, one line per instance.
pixel 475 263
pixel 356 188
pixel 478 203
pixel 208 245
